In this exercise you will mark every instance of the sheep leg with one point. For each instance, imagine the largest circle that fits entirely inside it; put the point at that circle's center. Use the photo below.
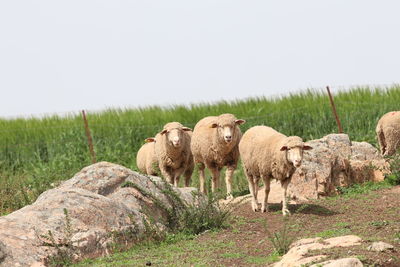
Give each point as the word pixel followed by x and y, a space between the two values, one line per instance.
pixel 392 142
pixel 215 179
pixel 254 203
pixel 228 180
pixel 256 179
pixel 267 182
pixel 382 142
pixel 285 209
pixel 187 179
pixel 176 181
pixel 188 175
pixel 166 174
pixel 202 178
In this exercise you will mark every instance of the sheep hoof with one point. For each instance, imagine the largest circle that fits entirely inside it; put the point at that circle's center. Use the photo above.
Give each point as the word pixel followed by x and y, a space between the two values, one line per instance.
pixel 254 207
pixel 229 197
pixel 264 209
pixel 285 212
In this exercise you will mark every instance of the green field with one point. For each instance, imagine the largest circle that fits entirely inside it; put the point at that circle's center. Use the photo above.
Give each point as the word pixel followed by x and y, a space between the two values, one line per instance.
pixel 38 153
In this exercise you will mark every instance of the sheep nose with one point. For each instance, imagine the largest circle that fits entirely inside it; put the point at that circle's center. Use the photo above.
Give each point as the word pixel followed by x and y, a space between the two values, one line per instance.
pixel 176 142
pixel 228 138
pixel 297 163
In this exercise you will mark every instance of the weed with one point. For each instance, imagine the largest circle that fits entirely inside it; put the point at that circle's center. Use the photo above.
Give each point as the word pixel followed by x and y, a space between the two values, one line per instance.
pixel 204 213
pixel 358 189
pixel 333 232
pixel 65 250
pixel 379 224
pixel 393 177
pixel 342 225
pixel 397 236
pixel 281 240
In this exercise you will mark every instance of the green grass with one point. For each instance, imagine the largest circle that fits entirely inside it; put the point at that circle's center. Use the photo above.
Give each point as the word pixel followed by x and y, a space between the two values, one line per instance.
pixel 180 250
pixel 167 253
pixel 333 232
pixel 362 189
pixel 36 153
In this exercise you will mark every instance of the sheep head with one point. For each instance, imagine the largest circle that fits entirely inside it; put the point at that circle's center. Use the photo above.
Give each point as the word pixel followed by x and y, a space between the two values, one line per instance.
pixel 174 133
pixel 293 147
pixel 226 125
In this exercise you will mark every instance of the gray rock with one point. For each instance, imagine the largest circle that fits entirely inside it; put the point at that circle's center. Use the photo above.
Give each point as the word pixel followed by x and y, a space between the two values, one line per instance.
pixel 380 246
pixel 335 161
pixel 98 209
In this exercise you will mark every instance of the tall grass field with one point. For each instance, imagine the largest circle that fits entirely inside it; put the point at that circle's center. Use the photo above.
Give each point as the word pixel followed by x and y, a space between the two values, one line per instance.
pixel 38 153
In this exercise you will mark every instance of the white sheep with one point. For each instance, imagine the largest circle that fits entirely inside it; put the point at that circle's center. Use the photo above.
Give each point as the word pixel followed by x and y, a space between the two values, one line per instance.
pixel 172 149
pixel 215 145
pixel 268 154
pixel 146 159
pixel 388 133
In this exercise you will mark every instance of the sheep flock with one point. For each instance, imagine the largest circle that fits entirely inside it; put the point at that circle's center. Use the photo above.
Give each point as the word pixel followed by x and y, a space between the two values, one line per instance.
pixel 217 142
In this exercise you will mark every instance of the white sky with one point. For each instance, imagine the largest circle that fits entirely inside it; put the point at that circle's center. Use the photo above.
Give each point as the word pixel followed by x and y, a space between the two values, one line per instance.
pixel 58 56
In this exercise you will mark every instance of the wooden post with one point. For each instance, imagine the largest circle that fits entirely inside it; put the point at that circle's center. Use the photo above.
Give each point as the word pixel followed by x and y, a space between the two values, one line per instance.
pixel 89 137
pixel 334 110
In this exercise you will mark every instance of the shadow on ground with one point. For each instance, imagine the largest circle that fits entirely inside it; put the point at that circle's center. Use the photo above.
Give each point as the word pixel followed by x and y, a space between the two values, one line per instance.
pixel 304 209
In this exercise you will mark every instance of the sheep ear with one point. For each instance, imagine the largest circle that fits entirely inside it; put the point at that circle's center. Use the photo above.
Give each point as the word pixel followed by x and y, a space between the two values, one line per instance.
pixel 214 125
pixel 307 147
pixel 150 139
pixel 186 129
pixel 164 131
pixel 239 122
pixel 284 148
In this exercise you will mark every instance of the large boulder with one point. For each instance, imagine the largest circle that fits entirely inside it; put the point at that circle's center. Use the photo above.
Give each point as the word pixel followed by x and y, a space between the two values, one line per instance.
pixel 85 214
pixel 335 161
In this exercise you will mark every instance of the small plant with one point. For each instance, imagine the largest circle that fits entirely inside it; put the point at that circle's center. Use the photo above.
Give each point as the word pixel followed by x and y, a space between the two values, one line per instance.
pixel 397 237
pixel 379 224
pixel 64 247
pixel 358 189
pixel 205 213
pixel 281 240
pixel 393 177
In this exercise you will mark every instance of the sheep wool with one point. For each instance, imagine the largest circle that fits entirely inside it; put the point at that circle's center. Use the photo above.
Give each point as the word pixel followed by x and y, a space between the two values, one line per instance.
pixel 388 133
pixel 215 145
pixel 146 159
pixel 267 154
pixel 172 149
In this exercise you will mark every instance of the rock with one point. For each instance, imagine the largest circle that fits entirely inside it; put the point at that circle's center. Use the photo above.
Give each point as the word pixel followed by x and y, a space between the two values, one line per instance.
pixel 335 161
pixel 380 246
pixel 346 262
pixel 296 256
pixel 86 213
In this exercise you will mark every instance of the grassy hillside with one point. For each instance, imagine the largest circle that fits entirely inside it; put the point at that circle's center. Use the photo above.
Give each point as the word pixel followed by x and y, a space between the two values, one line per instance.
pixel 37 153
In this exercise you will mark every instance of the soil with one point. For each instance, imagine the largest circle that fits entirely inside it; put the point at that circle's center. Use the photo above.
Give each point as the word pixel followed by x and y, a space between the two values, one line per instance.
pixel 374 216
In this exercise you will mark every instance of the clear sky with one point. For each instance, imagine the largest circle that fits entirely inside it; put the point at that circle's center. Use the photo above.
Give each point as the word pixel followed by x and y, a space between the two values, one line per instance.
pixel 58 56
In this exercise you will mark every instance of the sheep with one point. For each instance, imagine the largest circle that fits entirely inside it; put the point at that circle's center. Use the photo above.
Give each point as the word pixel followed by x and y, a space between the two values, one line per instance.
pixel 146 158
pixel 268 154
pixel 215 145
pixel 172 149
pixel 388 133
